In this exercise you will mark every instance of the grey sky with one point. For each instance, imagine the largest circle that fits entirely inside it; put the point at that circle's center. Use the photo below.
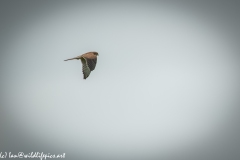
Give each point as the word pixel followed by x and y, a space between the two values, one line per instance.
pixel 166 85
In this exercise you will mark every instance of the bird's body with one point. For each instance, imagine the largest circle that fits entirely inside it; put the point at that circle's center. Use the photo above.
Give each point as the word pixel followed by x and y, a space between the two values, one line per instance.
pixel 89 61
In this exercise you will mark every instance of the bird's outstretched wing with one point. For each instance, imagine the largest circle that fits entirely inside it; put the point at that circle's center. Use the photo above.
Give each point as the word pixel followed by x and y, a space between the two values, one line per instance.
pixel 91 63
pixel 85 69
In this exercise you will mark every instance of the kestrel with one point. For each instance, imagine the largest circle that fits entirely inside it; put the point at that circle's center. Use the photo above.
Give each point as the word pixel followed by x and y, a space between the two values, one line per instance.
pixel 89 61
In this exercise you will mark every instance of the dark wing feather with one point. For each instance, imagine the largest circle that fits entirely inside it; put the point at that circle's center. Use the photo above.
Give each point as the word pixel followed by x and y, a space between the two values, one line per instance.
pixel 85 69
pixel 91 63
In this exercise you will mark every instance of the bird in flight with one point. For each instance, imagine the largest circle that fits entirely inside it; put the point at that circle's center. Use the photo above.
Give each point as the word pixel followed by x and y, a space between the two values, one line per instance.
pixel 89 61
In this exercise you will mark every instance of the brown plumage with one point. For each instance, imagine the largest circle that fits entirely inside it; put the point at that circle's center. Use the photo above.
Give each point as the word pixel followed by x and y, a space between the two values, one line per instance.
pixel 89 61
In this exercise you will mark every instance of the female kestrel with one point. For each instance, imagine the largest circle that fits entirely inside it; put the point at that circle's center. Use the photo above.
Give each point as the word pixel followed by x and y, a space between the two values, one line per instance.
pixel 89 61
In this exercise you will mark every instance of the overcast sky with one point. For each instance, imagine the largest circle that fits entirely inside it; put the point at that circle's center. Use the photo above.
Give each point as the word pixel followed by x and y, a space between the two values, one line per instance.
pixel 166 84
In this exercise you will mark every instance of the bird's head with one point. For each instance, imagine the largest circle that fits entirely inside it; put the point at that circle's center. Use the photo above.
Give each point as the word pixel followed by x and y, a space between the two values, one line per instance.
pixel 95 53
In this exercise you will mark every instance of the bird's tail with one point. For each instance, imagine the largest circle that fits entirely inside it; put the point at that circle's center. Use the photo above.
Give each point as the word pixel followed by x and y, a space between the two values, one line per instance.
pixel 70 59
